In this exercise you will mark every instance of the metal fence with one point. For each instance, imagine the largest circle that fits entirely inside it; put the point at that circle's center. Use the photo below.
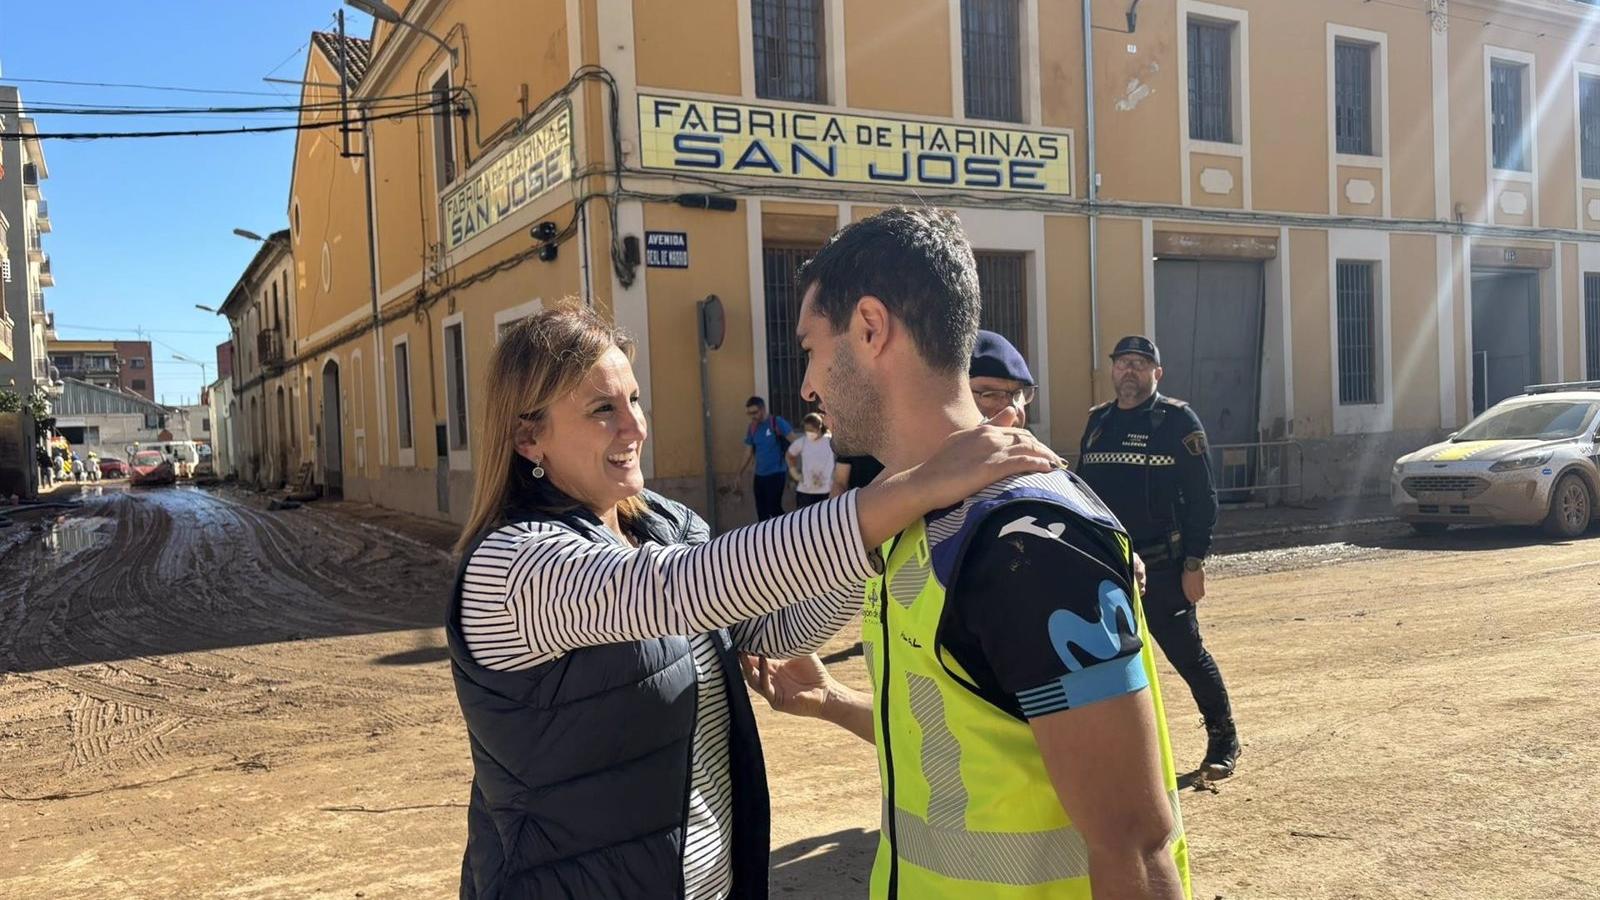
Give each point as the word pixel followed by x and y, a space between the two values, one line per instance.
pixel 1247 471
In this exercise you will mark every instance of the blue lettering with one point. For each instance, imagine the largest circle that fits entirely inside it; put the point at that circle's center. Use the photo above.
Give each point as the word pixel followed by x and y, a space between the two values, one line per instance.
pixel 982 171
pixel 749 159
pixel 1025 175
pixel 801 152
pixel 904 173
pixel 698 151
pixel 923 175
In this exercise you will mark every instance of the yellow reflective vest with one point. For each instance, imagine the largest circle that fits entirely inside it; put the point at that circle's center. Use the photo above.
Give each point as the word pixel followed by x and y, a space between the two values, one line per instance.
pixel 969 810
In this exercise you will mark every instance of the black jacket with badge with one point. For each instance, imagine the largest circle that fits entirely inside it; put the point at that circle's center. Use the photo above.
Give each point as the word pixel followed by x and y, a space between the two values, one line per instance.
pixel 1151 465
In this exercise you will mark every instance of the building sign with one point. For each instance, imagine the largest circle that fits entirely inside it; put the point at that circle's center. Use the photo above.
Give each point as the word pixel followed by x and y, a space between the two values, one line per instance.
pixel 679 134
pixel 666 249
pixel 535 163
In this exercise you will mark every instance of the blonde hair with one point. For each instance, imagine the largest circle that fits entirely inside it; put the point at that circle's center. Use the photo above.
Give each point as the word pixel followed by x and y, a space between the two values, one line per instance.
pixel 538 361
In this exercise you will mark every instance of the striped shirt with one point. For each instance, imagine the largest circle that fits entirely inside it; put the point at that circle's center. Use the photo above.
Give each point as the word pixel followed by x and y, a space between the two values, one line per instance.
pixel 534 591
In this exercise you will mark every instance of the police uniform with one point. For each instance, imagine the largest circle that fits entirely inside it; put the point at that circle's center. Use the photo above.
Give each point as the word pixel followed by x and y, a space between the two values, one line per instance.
pixel 1150 465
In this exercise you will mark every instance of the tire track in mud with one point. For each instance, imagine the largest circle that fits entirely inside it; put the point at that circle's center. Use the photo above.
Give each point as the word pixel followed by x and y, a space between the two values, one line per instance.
pixel 145 632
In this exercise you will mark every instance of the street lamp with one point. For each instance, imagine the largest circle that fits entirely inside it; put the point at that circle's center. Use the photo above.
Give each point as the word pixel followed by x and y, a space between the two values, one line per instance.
pixel 249 235
pixel 205 377
pixel 204 308
pixel 380 10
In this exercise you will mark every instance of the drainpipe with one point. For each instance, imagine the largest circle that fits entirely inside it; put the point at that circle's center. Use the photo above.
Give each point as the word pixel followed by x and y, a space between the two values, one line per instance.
pixel 1094 192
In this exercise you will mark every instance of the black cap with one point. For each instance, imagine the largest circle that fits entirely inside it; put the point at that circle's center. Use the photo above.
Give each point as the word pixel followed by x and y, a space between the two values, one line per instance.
pixel 994 357
pixel 1139 344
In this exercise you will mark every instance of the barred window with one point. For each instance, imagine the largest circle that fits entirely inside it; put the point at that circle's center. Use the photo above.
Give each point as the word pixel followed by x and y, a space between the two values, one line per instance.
pixel 788 50
pixel 1591 324
pixel 402 392
pixel 1507 111
pixel 1352 97
pixel 1589 124
pixel 455 361
pixel 786 363
pixel 1358 333
pixel 1211 81
pixel 1002 281
pixel 444 138
pixel 991 59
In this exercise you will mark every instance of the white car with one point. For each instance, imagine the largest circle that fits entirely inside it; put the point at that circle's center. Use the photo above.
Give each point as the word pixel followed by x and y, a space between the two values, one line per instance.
pixel 1532 459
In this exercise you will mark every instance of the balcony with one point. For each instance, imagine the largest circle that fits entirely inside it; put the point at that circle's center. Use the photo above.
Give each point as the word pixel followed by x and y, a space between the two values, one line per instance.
pixel 46 277
pixel 36 300
pixel 30 180
pixel 7 349
pixel 35 247
pixel 42 220
pixel 269 345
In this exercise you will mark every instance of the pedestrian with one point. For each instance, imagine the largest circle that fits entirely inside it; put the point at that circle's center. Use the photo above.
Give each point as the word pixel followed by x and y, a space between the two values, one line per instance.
pixel 811 462
pixel 77 467
pixel 94 466
pixel 851 472
pixel 593 630
pixel 1147 457
pixel 1011 679
pixel 1000 378
pixel 58 462
pixel 768 438
pixel 46 468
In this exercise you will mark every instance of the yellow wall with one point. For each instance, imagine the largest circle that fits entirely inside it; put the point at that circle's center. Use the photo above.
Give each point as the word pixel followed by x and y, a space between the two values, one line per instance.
pixel 1137 97
pixel 1313 397
pixel 689 46
pixel 1414 335
pixel 1070 394
pixel 897 56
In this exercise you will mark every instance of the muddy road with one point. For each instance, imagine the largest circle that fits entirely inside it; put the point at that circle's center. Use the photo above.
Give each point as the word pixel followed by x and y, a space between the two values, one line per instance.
pixel 200 697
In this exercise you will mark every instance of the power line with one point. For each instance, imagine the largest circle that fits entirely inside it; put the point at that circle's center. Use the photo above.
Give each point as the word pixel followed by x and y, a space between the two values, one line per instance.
pixel 428 108
pixel 133 330
pixel 140 87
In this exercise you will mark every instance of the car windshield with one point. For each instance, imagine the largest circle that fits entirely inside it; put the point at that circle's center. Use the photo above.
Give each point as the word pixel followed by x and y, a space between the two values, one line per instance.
pixel 147 458
pixel 1548 420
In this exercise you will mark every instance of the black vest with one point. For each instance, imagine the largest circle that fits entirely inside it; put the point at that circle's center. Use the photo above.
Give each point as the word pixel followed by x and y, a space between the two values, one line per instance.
pixel 581 771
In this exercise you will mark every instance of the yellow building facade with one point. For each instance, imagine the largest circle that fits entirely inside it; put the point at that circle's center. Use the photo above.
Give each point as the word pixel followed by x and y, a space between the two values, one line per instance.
pixel 1349 225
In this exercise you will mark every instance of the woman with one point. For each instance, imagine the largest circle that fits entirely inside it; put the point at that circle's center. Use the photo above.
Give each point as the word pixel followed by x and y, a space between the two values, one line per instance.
pixel 811 463
pixel 593 631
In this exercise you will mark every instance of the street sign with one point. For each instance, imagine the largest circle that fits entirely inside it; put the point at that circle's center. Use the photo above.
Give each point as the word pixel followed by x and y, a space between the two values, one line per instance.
pixel 666 249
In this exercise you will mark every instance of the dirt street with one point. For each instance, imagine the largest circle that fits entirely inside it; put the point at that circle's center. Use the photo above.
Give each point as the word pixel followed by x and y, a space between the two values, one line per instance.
pixel 203 698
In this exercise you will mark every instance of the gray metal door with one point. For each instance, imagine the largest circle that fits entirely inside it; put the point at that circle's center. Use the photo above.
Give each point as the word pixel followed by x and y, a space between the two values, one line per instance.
pixel 1208 326
pixel 1505 336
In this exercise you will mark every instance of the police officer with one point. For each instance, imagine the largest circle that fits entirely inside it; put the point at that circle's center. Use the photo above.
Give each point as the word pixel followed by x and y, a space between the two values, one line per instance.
pixel 1146 456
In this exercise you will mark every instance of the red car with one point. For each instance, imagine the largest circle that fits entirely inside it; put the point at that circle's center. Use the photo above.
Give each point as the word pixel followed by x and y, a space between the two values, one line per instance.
pixel 150 467
pixel 111 467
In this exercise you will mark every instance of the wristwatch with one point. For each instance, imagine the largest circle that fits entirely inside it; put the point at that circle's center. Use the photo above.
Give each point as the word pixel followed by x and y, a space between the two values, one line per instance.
pixel 1194 564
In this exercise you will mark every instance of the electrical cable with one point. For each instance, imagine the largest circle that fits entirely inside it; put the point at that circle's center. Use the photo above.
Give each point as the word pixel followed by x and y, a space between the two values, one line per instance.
pixel 424 109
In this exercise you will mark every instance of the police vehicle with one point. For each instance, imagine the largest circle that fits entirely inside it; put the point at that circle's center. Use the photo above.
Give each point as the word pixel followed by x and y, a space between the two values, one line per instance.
pixel 1533 459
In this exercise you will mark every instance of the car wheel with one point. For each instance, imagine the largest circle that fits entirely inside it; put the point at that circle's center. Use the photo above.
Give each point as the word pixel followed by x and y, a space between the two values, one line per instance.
pixel 1571 507
pixel 1429 529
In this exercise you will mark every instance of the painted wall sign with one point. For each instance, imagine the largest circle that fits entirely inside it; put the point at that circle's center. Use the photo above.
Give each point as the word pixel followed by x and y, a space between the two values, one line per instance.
pixel 666 249
pixel 681 134
pixel 530 167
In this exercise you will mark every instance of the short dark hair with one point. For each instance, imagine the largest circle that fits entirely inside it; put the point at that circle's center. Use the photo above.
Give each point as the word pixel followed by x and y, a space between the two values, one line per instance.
pixel 756 401
pixel 919 263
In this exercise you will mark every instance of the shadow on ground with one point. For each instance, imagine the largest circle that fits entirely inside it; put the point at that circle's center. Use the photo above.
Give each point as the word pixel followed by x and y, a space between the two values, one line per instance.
pixel 825 867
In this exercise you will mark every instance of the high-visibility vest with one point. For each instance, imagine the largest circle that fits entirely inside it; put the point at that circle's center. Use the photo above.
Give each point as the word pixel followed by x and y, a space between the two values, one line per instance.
pixel 968 808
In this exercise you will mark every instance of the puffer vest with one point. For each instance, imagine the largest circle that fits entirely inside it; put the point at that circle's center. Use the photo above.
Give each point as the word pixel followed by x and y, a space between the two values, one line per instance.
pixel 581 765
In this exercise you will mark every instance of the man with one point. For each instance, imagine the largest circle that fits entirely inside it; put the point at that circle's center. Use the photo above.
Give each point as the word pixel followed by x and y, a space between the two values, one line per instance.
pixel 1000 378
pixel 1146 456
pixel 768 438
pixel 1020 742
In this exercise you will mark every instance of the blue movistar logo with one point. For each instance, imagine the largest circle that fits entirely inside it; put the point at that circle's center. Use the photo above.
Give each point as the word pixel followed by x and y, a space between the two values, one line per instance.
pixel 1101 640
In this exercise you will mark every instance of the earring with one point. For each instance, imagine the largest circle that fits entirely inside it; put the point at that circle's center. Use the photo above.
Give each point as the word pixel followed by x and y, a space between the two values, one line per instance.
pixel 538 470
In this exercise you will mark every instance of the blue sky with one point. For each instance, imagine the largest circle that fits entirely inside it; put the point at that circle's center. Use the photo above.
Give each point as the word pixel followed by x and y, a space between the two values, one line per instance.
pixel 143 228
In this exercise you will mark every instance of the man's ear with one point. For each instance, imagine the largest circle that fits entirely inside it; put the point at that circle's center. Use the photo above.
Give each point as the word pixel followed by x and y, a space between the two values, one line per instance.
pixel 871 325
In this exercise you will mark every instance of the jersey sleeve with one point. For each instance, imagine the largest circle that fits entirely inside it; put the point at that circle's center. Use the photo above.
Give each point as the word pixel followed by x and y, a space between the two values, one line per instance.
pixel 1049 608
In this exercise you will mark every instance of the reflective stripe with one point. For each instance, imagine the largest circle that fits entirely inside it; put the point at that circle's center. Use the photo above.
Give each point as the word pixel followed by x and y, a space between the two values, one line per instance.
pixel 941 755
pixel 1018 858
pixel 1127 459
pixel 907 581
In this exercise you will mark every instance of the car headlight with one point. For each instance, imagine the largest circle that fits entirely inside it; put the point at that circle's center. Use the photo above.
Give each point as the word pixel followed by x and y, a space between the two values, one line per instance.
pixel 1521 462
